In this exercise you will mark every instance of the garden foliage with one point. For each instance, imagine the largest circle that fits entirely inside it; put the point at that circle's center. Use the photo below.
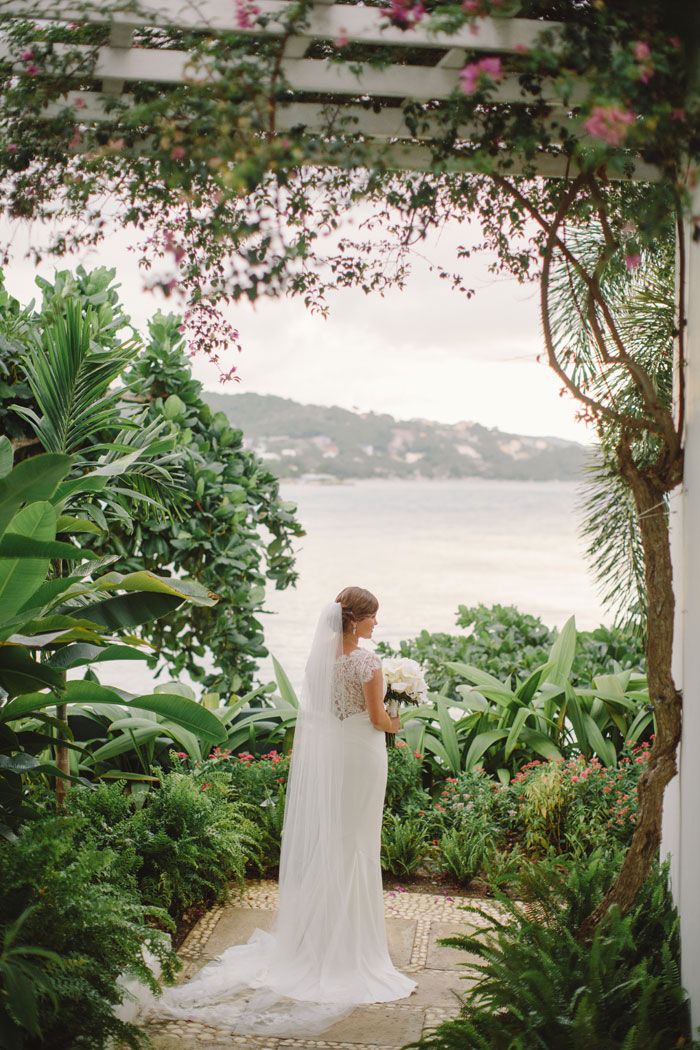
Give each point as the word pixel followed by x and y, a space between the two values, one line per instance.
pixel 539 984
pixel 71 926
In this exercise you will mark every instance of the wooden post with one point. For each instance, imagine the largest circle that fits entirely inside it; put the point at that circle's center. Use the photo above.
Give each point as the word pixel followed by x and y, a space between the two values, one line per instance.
pixel 682 828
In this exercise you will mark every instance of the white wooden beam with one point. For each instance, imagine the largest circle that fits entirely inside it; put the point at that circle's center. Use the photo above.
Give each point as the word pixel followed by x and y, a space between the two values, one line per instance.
pixel 357 23
pixel 315 76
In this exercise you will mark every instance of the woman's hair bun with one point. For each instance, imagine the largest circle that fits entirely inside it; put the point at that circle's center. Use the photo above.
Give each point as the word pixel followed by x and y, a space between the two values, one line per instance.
pixel 356 603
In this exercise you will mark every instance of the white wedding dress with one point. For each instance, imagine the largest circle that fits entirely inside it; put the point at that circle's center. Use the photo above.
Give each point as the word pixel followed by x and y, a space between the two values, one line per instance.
pixel 328 951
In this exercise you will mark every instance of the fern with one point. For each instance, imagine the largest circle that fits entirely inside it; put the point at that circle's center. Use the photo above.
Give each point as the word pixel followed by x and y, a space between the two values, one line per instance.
pixel 540 988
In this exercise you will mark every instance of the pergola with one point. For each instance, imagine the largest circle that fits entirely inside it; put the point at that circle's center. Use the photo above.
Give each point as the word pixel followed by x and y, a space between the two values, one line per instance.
pixel 361 99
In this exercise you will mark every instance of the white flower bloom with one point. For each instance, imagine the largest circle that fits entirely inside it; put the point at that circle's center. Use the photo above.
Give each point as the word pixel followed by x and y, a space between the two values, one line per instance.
pixel 404 676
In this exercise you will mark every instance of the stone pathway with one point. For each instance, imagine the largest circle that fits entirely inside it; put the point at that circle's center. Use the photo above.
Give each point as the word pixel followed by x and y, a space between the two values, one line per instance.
pixel 415 923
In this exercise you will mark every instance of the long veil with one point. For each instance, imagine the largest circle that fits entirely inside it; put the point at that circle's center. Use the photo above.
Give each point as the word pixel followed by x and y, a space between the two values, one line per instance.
pixel 289 981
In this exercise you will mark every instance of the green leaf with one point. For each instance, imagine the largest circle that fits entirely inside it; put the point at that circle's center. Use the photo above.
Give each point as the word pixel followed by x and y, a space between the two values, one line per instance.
pixel 80 654
pixel 6 456
pixel 527 690
pixel 540 743
pixel 449 737
pixel 480 745
pixel 69 524
pixel 519 721
pixel 604 749
pixel 20 576
pixel 431 743
pixel 284 685
pixel 186 713
pixel 14 545
pixel 31 480
pixel 562 653
pixel 125 610
pixel 147 581
pixel 19 673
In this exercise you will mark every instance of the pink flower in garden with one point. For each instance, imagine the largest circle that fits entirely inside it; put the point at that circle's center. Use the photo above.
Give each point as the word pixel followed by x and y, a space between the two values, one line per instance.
pixel 633 260
pixel 417 754
pixel 472 7
pixel 405 14
pixel 27 55
pixel 31 69
pixel 606 789
pixel 678 114
pixel 522 49
pixel 674 42
pixel 178 153
pixel 641 51
pixel 181 754
pixel 342 38
pixel 472 74
pixel 11 147
pixel 245 14
pixel 609 123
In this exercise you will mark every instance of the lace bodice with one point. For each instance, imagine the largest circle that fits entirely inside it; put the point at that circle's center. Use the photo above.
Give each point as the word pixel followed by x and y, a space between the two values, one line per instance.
pixel 350 673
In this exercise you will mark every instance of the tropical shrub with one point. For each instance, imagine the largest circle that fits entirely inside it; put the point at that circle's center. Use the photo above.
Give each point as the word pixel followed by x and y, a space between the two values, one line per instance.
pixel 575 806
pixel 55 618
pixel 404 842
pixel 505 642
pixel 404 791
pixel 182 843
pixel 507 724
pixel 463 854
pixel 237 532
pixel 540 985
pixel 70 927
pixel 185 491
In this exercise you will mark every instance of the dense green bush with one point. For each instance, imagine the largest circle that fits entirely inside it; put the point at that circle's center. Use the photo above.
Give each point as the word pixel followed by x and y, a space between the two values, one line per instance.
pixel 504 641
pixel 73 901
pixel 571 807
pixel 540 986
pixel 181 845
pixel 405 794
pixel 404 843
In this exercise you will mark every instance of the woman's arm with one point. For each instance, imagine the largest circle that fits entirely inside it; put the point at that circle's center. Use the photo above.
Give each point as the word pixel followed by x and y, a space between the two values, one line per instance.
pixel 374 696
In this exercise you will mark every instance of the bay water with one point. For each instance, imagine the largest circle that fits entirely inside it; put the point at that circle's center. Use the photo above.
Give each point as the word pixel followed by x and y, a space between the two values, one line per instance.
pixel 424 548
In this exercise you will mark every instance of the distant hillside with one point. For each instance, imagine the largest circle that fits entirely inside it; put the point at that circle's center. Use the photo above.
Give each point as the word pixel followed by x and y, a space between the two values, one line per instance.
pixel 299 439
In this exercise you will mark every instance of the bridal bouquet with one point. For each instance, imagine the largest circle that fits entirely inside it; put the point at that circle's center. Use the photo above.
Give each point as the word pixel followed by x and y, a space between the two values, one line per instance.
pixel 405 685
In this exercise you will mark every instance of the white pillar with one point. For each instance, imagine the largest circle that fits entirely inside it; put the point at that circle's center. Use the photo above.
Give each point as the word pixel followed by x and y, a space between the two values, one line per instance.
pixel 687 864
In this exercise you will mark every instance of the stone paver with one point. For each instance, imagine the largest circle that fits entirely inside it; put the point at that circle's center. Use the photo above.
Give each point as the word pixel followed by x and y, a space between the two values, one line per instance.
pixel 415 922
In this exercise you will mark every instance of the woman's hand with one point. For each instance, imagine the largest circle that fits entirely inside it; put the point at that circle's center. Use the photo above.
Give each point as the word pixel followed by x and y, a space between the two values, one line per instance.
pixel 395 724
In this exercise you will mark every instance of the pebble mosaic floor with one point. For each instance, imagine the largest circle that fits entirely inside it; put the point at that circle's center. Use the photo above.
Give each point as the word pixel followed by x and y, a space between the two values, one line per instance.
pixel 415 922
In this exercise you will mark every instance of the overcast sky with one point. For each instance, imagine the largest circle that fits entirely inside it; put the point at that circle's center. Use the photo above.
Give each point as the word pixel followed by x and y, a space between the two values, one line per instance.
pixel 424 352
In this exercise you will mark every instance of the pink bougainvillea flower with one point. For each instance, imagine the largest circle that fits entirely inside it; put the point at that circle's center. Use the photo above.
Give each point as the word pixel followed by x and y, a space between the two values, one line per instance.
pixel 79 102
pixel 27 55
pixel 178 153
pixel 609 123
pixel 405 13
pixel 31 69
pixel 641 51
pixel 246 13
pixel 632 260
pixel 342 38
pixel 471 76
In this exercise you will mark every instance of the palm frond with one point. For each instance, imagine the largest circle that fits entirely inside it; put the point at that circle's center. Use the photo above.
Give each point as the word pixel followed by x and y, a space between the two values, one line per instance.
pixel 70 376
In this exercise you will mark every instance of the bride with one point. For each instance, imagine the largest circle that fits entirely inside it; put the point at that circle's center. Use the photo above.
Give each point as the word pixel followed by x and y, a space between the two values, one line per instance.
pixel 328 951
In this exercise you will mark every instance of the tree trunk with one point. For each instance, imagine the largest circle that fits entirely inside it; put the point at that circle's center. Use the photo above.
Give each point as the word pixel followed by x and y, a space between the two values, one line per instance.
pixel 666 700
pixel 62 758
